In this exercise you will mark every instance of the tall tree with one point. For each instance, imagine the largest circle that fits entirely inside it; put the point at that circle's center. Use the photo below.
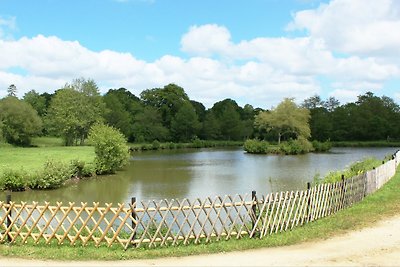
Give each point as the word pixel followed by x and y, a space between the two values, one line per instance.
pixel 37 101
pixel 147 126
pixel 287 119
pixel 166 100
pixel 229 113
pixel 19 121
pixel 313 102
pixel 12 90
pixel 331 104
pixel 185 124
pixel 74 109
pixel 117 116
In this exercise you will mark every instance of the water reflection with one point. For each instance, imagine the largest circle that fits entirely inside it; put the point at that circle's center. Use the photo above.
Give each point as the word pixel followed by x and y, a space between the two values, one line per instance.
pixel 201 173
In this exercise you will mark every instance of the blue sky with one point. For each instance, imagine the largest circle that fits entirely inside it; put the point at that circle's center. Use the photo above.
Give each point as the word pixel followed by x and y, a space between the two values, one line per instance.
pixel 254 51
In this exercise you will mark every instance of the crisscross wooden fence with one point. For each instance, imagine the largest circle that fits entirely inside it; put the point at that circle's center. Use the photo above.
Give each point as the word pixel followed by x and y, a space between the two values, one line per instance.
pixel 173 222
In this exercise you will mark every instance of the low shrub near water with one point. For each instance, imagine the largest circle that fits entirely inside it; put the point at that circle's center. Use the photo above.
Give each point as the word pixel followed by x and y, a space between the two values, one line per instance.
pixel 256 146
pixel 354 169
pixel 13 180
pixel 297 146
pixel 321 146
pixel 53 175
pixel 291 147
pixel 112 152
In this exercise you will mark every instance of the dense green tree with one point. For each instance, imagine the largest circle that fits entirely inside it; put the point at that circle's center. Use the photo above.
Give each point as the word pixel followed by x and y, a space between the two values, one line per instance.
pixel 231 124
pixel 185 124
pixel 320 124
pixel 228 114
pixel 211 129
pixel 200 110
pixel 19 121
pixel 112 152
pixel 74 109
pixel 287 120
pixel 147 126
pixel 37 101
pixel 166 100
pixel 117 115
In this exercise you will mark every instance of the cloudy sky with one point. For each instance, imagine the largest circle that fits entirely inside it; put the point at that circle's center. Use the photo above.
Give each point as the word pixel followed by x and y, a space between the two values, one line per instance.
pixel 253 51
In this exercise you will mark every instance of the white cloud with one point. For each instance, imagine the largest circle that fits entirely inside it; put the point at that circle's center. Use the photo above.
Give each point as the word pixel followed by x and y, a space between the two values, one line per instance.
pixel 354 26
pixel 206 40
pixel 261 71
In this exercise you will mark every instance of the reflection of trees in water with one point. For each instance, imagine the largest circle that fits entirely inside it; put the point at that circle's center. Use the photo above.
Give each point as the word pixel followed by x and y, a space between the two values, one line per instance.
pixel 160 179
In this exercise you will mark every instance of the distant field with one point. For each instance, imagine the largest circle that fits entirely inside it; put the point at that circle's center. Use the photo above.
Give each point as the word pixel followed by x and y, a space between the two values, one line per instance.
pixel 33 158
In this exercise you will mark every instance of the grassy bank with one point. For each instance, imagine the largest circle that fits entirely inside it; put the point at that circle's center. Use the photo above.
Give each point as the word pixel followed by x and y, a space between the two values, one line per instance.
pixel 44 165
pixel 382 204
pixel 195 144
pixel 382 143
pixel 32 159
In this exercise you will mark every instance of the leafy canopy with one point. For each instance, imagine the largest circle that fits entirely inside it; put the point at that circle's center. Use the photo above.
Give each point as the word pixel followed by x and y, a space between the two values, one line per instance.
pixel 112 152
pixel 286 120
pixel 19 122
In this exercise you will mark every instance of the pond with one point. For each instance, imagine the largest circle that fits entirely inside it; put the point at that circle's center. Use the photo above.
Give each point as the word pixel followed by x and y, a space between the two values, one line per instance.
pixel 178 174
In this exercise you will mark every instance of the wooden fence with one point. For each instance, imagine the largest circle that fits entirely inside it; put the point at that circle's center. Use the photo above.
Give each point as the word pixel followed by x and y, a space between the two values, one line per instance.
pixel 173 222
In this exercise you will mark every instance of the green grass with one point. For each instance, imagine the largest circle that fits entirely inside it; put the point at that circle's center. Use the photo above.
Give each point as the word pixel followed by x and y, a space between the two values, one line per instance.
pixel 46 141
pixel 382 204
pixel 32 159
pixel 381 143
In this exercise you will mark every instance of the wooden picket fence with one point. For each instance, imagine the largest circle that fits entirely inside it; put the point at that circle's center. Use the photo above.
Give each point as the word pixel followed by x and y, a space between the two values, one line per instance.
pixel 174 222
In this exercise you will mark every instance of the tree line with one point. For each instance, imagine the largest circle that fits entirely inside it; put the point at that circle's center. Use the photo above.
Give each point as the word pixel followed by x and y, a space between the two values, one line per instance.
pixel 167 114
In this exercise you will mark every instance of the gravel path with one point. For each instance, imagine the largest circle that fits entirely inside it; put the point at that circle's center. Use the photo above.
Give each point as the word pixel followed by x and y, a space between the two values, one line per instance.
pixel 372 246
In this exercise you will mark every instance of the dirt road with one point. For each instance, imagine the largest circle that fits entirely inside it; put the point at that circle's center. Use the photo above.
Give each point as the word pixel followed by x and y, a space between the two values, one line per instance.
pixel 373 246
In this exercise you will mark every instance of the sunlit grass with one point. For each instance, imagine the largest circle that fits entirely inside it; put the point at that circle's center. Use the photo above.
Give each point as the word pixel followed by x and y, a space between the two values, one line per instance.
pixel 31 159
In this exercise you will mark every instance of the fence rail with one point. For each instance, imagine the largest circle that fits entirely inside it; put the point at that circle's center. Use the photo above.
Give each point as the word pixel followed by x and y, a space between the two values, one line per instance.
pixel 173 222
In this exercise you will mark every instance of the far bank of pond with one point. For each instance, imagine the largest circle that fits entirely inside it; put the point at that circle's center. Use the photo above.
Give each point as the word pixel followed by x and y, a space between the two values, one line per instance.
pixel 200 173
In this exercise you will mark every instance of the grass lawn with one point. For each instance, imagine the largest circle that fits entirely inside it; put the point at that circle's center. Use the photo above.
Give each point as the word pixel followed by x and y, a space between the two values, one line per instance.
pixel 382 204
pixel 31 159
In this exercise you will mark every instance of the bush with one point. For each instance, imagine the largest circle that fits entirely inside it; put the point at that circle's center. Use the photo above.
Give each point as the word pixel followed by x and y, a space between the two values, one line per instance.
pixel 155 145
pixel 112 152
pixel 297 146
pixel 354 169
pixel 13 180
pixel 321 146
pixel 81 169
pixel 256 146
pixel 53 175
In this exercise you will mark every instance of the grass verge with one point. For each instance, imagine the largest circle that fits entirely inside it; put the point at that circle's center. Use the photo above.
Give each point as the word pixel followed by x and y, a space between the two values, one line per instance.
pixel 32 159
pixel 382 204
pixel 382 143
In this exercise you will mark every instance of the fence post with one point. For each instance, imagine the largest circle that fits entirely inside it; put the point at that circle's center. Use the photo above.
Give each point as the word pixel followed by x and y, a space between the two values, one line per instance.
pixel 308 201
pixel 8 201
pixel 253 208
pixel 343 191
pixel 134 218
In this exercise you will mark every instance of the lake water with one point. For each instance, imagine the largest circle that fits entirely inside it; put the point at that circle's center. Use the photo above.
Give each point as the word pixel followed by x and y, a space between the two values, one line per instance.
pixel 178 174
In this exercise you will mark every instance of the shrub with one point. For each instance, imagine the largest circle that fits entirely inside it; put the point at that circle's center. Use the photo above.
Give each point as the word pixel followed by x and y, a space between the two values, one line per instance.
pixel 81 169
pixel 155 145
pixel 256 146
pixel 53 175
pixel 297 146
pixel 321 146
pixel 89 170
pixel 13 180
pixel 112 152
pixel 354 169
